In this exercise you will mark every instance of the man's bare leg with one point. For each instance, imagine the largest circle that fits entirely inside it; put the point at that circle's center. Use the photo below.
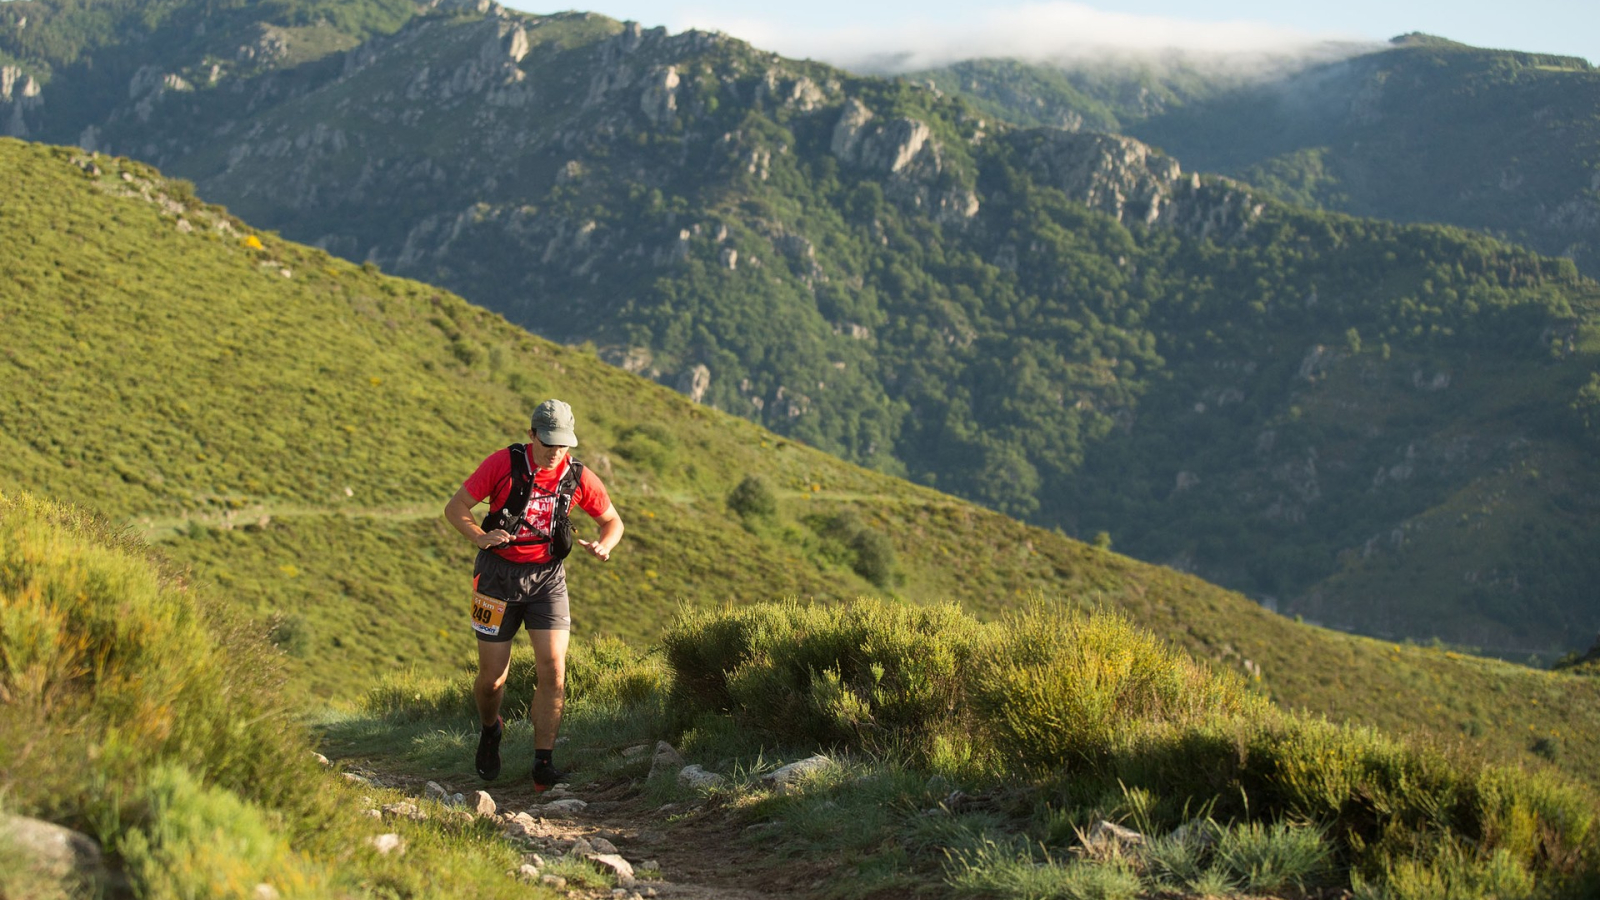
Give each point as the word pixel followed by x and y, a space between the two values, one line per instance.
pixel 549 699
pixel 489 688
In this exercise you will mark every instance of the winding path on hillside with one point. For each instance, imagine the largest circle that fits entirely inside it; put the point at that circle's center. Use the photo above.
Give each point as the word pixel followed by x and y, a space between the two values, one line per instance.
pixel 154 527
pixel 701 846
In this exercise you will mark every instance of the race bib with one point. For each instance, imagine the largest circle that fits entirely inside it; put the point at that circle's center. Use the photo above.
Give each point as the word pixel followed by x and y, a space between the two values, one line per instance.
pixel 486 614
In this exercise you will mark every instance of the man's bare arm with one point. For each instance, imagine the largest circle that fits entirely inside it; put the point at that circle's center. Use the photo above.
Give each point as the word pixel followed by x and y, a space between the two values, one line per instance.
pixel 610 534
pixel 458 512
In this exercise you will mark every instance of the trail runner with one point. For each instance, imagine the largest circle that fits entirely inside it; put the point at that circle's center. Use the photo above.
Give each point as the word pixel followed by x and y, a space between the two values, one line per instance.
pixel 519 579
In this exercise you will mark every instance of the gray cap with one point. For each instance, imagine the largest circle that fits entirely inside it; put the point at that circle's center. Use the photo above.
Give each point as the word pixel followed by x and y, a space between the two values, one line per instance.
pixel 553 423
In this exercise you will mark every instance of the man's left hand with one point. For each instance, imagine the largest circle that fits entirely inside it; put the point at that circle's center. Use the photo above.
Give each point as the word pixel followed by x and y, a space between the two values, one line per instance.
pixel 594 547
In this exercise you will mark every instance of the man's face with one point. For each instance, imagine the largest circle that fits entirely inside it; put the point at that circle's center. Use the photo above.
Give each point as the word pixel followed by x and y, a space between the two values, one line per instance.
pixel 544 455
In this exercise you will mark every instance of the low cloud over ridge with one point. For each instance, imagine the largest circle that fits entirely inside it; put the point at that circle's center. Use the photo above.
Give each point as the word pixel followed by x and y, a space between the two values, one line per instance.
pixel 1059 31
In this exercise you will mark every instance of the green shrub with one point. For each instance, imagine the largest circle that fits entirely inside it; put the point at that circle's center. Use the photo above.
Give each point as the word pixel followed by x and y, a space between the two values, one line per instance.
pixel 1059 689
pixel 866 674
pixel 848 540
pixel 1112 722
pixel 1450 872
pixel 290 632
pixel 874 554
pixel 155 723
pixel 649 445
pixel 753 498
pixel 1010 871
pixel 1271 858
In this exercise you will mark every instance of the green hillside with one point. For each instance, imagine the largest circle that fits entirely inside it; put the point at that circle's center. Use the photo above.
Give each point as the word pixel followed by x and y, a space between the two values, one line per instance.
pixel 291 438
pixel 140 712
pixel 154 725
pixel 1064 327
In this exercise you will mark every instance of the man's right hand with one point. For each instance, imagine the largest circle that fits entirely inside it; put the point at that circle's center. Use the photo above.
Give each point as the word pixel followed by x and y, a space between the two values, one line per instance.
pixel 492 539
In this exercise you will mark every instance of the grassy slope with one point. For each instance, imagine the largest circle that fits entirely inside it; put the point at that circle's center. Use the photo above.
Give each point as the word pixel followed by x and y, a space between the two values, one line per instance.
pixel 191 792
pixel 1135 339
pixel 181 382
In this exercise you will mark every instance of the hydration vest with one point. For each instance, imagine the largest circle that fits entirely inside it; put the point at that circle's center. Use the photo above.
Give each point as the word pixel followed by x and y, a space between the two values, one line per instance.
pixel 511 515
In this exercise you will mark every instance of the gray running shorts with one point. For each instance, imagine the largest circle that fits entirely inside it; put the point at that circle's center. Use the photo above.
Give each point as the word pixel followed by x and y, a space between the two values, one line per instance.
pixel 508 595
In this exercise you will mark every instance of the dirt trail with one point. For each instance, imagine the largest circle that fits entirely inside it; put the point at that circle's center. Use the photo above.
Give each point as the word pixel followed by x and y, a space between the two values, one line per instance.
pixel 700 847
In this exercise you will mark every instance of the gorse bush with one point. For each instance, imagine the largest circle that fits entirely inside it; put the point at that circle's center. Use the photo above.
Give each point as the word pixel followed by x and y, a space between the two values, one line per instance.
pixel 1085 706
pixel 1063 690
pixel 92 638
pixel 753 498
pixel 134 708
pixel 865 549
pixel 650 445
pixel 868 674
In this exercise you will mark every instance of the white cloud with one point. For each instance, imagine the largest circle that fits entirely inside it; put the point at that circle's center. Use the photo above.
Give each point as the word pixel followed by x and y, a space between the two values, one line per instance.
pixel 1038 31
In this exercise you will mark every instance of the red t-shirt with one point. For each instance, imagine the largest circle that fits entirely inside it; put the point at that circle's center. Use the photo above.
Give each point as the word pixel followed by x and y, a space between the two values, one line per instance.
pixel 492 480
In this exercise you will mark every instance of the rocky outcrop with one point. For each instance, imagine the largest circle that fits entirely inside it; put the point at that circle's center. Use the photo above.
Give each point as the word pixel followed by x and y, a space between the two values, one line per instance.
pixel 19 94
pixel 1115 175
pixel 800 94
pixel 1134 183
pixel 659 101
pixel 694 382
pixel 904 150
pixel 883 148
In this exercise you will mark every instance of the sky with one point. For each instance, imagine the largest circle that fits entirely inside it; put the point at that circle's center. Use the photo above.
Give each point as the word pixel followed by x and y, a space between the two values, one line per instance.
pixel 862 34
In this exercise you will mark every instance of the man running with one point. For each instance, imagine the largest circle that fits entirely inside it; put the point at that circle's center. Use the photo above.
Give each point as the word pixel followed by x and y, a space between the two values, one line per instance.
pixel 518 580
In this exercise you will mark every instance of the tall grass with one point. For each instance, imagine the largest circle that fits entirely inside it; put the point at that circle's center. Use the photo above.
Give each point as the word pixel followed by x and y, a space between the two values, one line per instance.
pixel 134 709
pixel 1082 707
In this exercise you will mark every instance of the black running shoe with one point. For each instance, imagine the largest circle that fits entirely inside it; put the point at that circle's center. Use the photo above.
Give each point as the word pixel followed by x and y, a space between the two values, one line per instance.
pixel 547 776
pixel 489 750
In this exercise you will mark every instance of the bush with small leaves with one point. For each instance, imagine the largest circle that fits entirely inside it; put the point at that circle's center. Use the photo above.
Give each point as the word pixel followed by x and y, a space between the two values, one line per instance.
pixel 753 498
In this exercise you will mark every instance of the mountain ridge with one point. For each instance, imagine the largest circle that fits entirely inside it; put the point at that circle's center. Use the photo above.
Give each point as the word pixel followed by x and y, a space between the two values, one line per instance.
pixel 1214 379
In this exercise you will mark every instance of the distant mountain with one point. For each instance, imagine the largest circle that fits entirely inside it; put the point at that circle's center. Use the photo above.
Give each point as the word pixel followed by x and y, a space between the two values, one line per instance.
pixel 286 426
pixel 1326 412
pixel 1425 130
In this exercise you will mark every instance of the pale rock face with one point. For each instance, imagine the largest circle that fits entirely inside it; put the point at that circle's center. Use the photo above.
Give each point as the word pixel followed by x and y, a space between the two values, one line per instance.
pixel 1114 175
pixel 847 133
pixel 795 772
pixel 902 140
pixel 804 95
pixel 520 45
pixel 695 381
pixel 16 84
pixel 890 147
pixel 665 760
pixel 271 45
pixel 660 98
pixel 478 6
pixel 621 868
pixel 1127 179
pixel 1185 481
pixel 483 804
pixel 20 91
pixel 147 80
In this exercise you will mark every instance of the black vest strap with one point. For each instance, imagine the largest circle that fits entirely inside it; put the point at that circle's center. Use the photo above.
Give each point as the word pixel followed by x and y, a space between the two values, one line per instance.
pixel 510 515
